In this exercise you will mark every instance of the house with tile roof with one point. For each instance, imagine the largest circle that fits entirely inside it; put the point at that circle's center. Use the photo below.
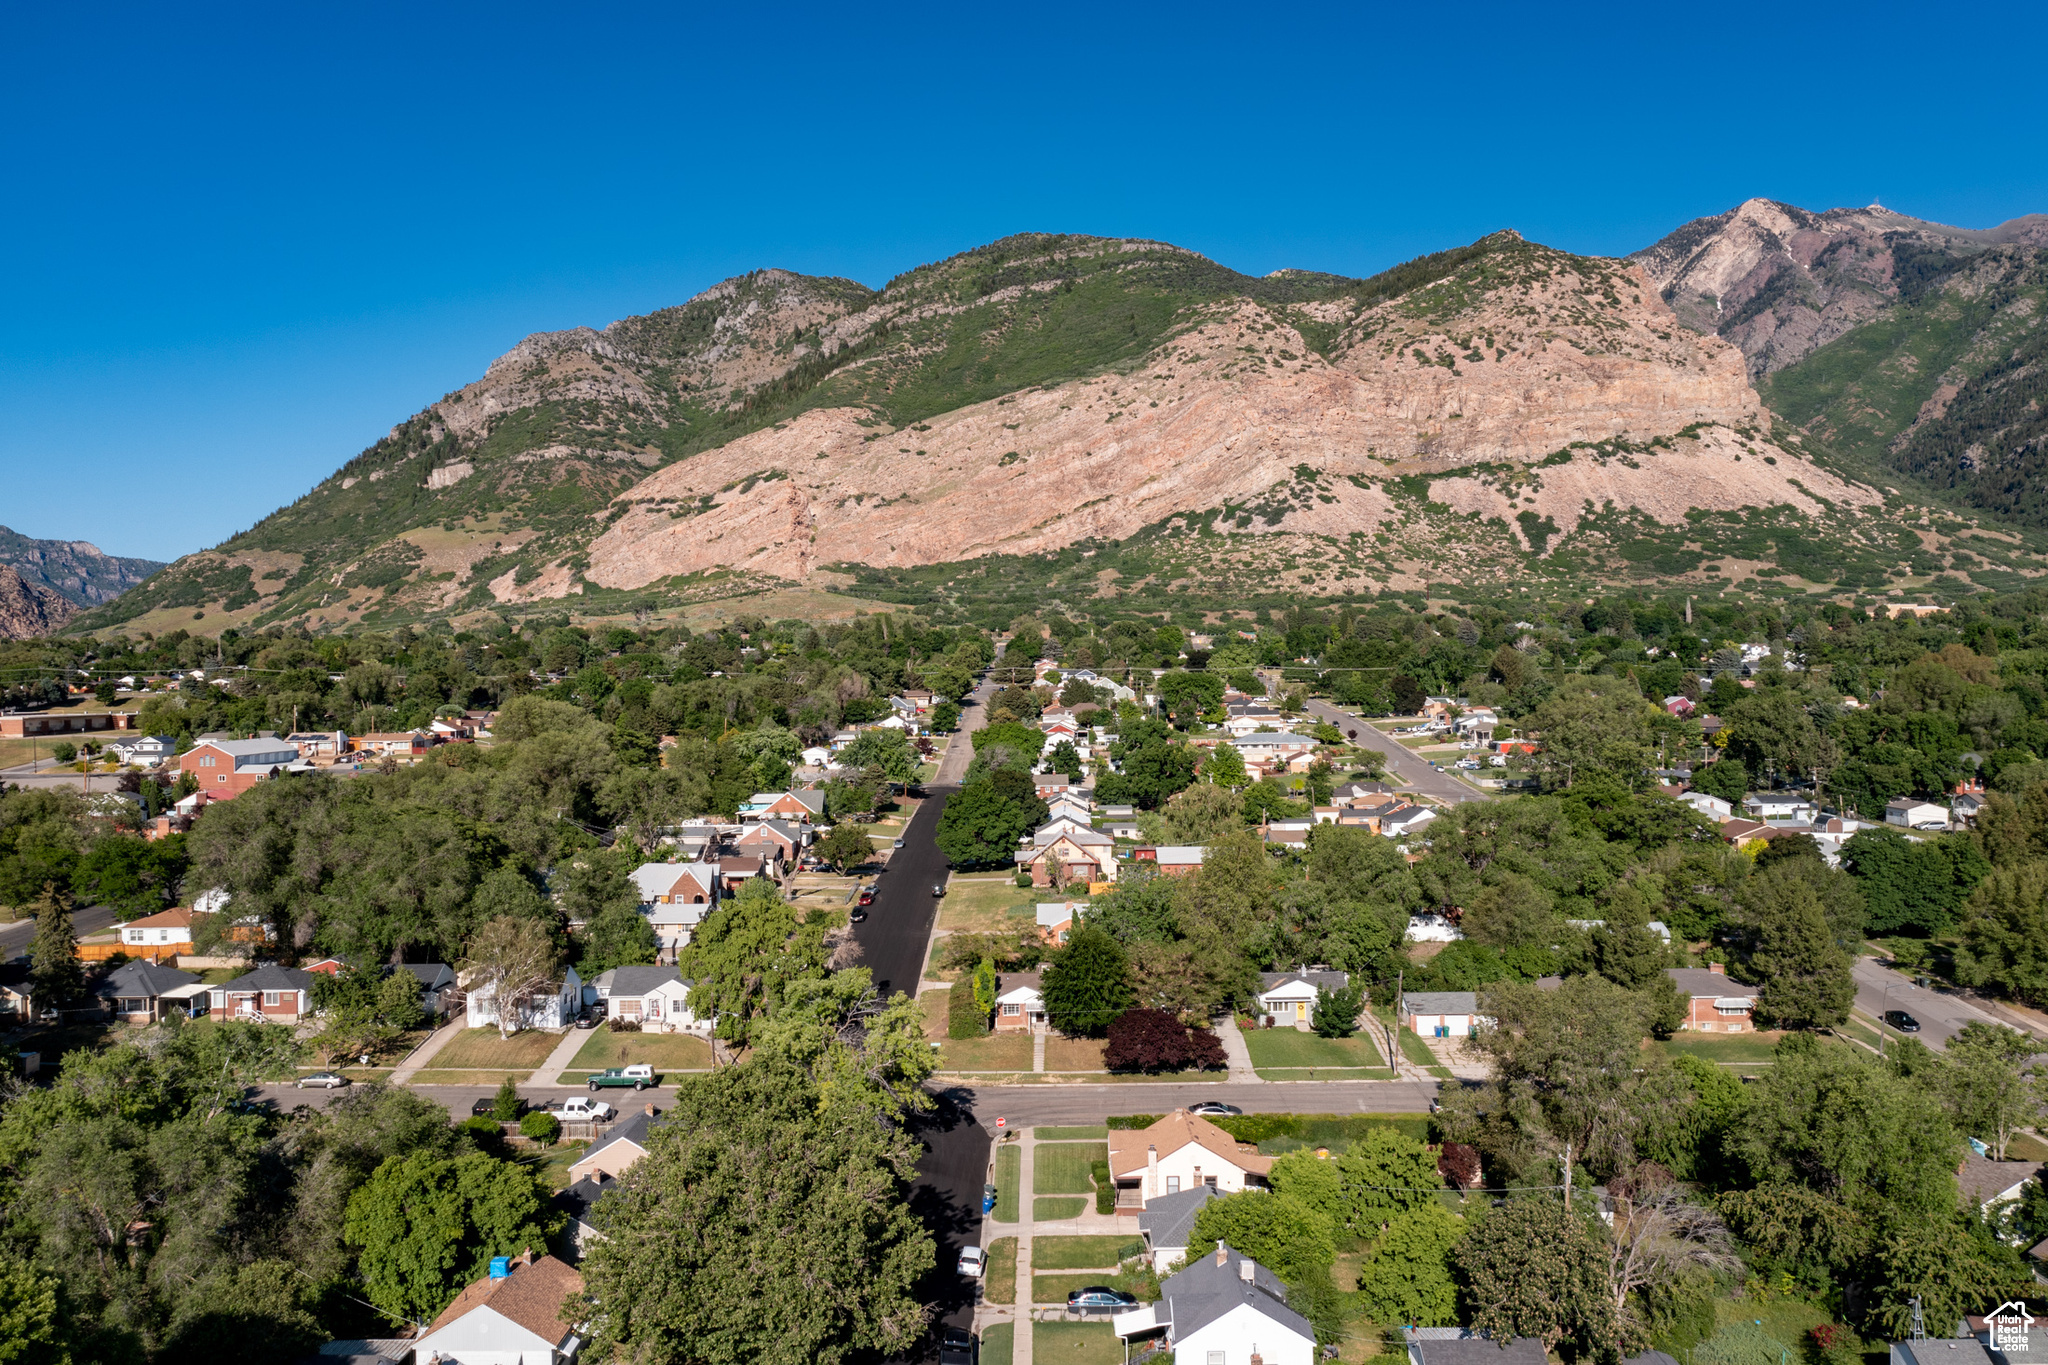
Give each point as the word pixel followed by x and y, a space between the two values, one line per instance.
pixel 1178 1152
pixel 527 1313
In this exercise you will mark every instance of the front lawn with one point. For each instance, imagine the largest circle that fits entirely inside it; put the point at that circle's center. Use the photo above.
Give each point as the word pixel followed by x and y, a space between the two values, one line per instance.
pixel 1073 1054
pixel 999 1280
pixel 1057 1208
pixel 998 1339
pixel 1066 1167
pixel 481 1049
pixel 1083 1253
pixel 1726 1048
pixel 995 1052
pixel 1009 1170
pixel 1075 1343
pixel 662 1051
pixel 1286 1047
pixel 1083 1133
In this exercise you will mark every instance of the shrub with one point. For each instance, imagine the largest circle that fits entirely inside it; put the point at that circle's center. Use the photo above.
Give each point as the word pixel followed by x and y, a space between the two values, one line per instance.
pixel 618 1024
pixel 541 1126
pixel 484 1133
pixel 505 1104
pixel 1155 1040
pixel 963 1020
pixel 1459 1164
pixel 1105 1188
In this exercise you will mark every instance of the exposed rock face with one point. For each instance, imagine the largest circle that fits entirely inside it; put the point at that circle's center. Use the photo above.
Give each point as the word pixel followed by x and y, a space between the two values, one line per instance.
pixel 1510 361
pixel 1780 281
pixel 27 609
pixel 76 570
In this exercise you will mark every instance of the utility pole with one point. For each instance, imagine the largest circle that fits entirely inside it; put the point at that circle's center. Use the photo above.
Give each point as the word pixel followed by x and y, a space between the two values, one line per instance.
pixel 1567 1175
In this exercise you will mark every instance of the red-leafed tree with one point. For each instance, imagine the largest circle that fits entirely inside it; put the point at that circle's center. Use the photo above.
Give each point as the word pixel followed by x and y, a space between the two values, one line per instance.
pixel 1154 1040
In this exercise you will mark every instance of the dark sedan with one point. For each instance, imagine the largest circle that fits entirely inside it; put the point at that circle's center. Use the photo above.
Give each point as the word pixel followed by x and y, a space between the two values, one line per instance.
pixel 1902 1021
pixel 1099 1298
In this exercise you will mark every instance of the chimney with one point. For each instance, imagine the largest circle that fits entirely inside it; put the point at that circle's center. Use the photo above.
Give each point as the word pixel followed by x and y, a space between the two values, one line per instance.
pixel 1222 1254
pixel 1718 968
pixel 1152 1171
pixel 652 1112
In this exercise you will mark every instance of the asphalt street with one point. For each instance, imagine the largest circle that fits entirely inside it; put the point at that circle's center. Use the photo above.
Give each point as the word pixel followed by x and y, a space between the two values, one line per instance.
pixel 14 939
pixel 1941 1014
pixel 1404 764
pixel 899 924
pixel 1025 1106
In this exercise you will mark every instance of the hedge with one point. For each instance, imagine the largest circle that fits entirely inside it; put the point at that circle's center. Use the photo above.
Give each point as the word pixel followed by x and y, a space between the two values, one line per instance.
pixel 963 1020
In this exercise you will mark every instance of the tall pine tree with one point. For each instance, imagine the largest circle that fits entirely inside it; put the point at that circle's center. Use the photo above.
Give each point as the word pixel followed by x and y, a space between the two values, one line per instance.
pixel 54 970
pixel 1806 981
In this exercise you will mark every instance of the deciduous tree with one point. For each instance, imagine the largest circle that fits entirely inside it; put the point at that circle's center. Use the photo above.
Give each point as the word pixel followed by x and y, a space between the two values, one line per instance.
pixel 426 1226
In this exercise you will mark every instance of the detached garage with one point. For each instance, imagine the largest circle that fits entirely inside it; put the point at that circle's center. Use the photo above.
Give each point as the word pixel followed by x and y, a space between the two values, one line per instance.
pixel 1440 1014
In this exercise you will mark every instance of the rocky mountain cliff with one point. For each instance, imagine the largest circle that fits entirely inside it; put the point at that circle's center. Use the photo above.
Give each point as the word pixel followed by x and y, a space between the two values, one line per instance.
pixel 76 570
pixel 29 609
pixel 1502 413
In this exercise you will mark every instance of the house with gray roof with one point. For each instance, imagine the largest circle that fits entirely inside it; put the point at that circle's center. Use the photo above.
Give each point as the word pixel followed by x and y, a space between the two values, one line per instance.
pixel 624 1143
pixel 1440 1014
pixel 655 997
pixel 1463 1346
pixel 1168 1223
pixel 1225 1307
pixel 1289 998
pixel 138 992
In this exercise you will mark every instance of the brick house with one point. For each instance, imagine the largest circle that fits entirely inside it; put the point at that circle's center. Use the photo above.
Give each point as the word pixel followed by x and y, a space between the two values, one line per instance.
pixel 802 805
pixel 1020 1003
pixel 1073 854
pixel 225 768
pixel 1717 1004
pixel 280 995
pixel 77 723
pixel 393 744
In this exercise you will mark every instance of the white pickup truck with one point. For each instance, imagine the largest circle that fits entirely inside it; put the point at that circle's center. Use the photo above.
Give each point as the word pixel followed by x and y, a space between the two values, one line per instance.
pixel 577 1109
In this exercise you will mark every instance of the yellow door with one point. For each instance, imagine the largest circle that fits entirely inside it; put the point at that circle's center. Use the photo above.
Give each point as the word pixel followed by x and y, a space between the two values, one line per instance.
pixel 1301 1009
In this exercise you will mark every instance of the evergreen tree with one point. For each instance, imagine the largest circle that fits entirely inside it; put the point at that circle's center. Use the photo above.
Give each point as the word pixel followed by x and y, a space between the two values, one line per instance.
pixel 55 974
pixel 1088 984
pixel 1806 981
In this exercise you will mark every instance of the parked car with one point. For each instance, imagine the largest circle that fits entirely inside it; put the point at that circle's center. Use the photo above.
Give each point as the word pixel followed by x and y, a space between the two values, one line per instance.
pixel 323 1080
pixel 956 1347
pixel 867 895
pixel 857 914
pixel 1099 1298
pixel 484 1107
pixel 973 1262
pixel 1902 1021
pixel 939 890
pixel 1215 1109
pixel 897 844
pixel 587 1019
pixel 576 1109
pixel 639 1076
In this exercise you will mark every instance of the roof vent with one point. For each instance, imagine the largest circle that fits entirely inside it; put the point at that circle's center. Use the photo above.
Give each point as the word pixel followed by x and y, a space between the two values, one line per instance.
pixel 1246 1269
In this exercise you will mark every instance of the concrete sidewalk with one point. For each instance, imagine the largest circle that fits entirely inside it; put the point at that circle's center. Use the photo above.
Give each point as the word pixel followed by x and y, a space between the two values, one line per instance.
pixel 550 1071
pixel 423 1055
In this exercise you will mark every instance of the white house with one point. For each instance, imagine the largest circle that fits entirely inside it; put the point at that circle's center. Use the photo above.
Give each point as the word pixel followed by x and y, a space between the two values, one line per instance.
pixel 555 1007
pixel 1020 1003
pixel 1177 1153
pixel 1289 998
pixel 1782 808
pixel 164 928
pixel 656 998
pixel 1908 813
pixel 1403 823
pixel 1431 927
pixel 1225 1309
pixel 1440 1014
pixel 1168 1224
pixel 142 751
pixel 523 1311
pixel 1709 805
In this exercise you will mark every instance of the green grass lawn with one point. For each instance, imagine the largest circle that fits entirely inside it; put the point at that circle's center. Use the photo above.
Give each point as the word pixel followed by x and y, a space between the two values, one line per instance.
pixel 662 1051
pixel 1009 1169
pixel 1057 1208
pixel 1066 1167
pixel 998 1340
pixel 1726 1048
pixel 1324 1073
pixel 999 1281
pixel 2022 1147
pixel 1417 1051
pixel 1073 1054
pixel 553 1162
pixel 480 1049
pixel 989 907
pixel 1083 1133
pixel 1083 1253
pixel 1286 1047
pixel 1075 1343
pixel 995 1052
pixel 1055 1288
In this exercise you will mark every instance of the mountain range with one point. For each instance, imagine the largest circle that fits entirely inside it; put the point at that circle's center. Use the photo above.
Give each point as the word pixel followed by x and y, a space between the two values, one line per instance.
pixel 44 583
pixel 1771 398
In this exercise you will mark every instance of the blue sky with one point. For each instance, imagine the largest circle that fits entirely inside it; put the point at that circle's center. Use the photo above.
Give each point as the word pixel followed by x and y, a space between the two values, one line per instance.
pixel 240 243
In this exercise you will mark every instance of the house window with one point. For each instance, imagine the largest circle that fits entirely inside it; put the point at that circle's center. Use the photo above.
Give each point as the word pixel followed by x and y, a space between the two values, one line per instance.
pixel 206 762
pixel 1013 1009
pixel 272 999
pixel 1210 1181
pixel 1173 1184
pixel 1725 1010
pixel 1215 1358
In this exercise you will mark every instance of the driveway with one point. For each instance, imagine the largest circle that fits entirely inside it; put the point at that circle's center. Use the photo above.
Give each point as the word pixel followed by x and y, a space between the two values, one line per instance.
pixel 1942 1013
pixel 1404 765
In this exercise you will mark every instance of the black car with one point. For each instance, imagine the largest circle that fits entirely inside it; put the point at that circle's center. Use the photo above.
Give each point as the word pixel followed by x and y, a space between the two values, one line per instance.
pixel 1099 1298
pixel 1902 1021
pixel 956 1347
pixel 858 913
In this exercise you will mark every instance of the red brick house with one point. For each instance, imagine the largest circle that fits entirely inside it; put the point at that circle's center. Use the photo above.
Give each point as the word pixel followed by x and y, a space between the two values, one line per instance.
pixel 1718 1005
pixel 78 723
pixel 277 994
pixel 225 768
